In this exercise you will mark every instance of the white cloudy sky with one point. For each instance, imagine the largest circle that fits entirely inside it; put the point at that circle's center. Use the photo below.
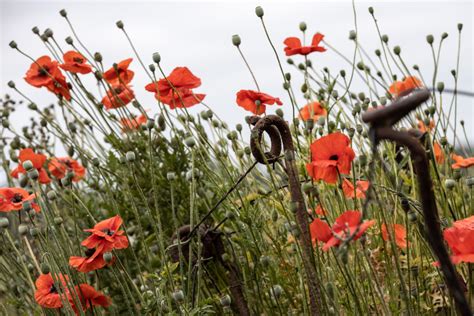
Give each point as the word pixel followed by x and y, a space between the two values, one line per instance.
pixel 198 35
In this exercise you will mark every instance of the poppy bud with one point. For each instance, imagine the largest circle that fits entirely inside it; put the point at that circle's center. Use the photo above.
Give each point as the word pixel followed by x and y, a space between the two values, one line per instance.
pixel 371 10
pixel 449 184
pixel 95 162
pixel 190 142
pixel 470 182
pixel 156 57
pixel 301 66
pixel 259 11
pixel 63 13
pixel 286 86
pixel 225 300
pixel 13 45
pixel 430 39
pixel 11 84
pixel 238 127
pixel 107 257
pixel 444 35
pixel 309 124
pixel 98 75
pixel 44 268
pixel 385 38
pixel 23 181
pixel 210 113
pixel 119 24
pixel 290 61
pixel 33 174
pixel 5 123
pixel 459 27
pixel 440 87
pixel 397 50
pixel 4 222
pixel 351 132
pixel 26 206
pixel 178 296
pixel 304 87
pixel 48 32
pixel 303 26
pixel 22 229
pixel 236 40
pixel 352 35
pixel 279 112
pixel 453 72
pixel 150 124
pixel 130 156
pixel 98 57
pixel 276 291
pixel 307 187
pixel 152 67
pixel 69 40
pixel 58 220
pixel 35 30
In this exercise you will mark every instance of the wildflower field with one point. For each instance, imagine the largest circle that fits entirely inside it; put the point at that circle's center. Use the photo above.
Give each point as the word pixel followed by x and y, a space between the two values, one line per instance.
pixel 355 202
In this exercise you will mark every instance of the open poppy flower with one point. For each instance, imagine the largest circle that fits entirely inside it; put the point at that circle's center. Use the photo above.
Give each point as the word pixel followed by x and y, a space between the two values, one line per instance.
pixel 87 264
pixel 134 123
pixel 345 226
pixel 106 236
pixel 37 160
pixel 41 72
pixel 175 90
pixel 400 235
pixel 400 88
pixel 59 167
pixel 359 191
pixel 47 294
pixel 460 239
pixel 76 63
pixel 293 45
pixel 438 153
pixel 118 96
pixel 460 162
pixel 60 87
pixel 90 297
pixel 120 75
pixel 255 101
pixel 312 110
pixel 330 154
pixel 12 199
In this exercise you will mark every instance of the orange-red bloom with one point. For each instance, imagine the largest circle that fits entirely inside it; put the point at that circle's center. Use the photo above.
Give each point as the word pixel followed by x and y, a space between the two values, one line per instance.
pixel 255 102
pixel 59 167
pixel 134 123
pixel 47 294
pixel 90 297
pixel 293 45
pixel 400 88
pixel 120 75
pixel 45 72
pixel 438 153
pixel 345 226
pixel 312 110
pixel 87 264
pixel 12 199
pixel 60 87
pixel 118 96
pixel 359 190
pixel 106 236
pixel 460 162
pixel 37 160
pixel 175 90
pixel 76 63
pixel 400 235
pixel 460 239
pixel 330 154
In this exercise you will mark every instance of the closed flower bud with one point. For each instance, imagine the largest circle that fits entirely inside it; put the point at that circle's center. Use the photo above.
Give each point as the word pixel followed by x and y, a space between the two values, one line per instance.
pixel 4 222
pixel 33 174
pixel 449 184
pixel 63 13
pixel 23 181
pixel 66 181
pixel 156 57
pixel 303 26
pixel 290 61
pixel 26 206
pixel 225 300
pixel 286 85
pixel 190 142
pixel 440 86
pixel 34 231
pixel 107 257
pixel 119 24
pixel 44 268
pixel 130 156
pixel 22 229
pixel 69 40
pixel 371 10
pixel 48 33
pixel 11 84
pixel 460 27
pixel 397 50
pixel 352 35
pixel 13 45
pixel 178 296
pixel 444 35
pixel 279 112
pixel 307 187
pixel 35 30
pixel 430 39
pixel 236 40
pixel 259 11
pixel 385 38
pixel 5 123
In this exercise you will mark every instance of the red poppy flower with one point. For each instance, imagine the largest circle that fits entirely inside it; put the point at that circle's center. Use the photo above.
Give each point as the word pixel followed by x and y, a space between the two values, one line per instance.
pixel 344 226
pixel 438 153
pixel 460 162
pixel 59 167
pixel 42 72
pixel 12 199
pixel 106 236
pixel 120 75
pixel 425 129
pixel 400 88
pixel 133 124
pixel 76 63
pixel 359 191
pixel 400 235
pixel 320 211
pixel 460 239
pixel 175 90
pixel 90 297
pixel 118 96
pixel 312 110
pixel 293 45
pixel 47 294
pixel 330 154
pixel 87 264
pixel 37 160
pixel 255 101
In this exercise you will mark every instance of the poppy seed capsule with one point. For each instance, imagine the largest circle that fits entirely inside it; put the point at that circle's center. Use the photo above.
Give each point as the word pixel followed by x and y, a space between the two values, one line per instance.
pixel 107 257
pixel 63 13
pixel 98 57
pixel 236 40
pixel 225 300
pixel 430 39
pixel 303 26
pixel 397 50
pixel 11 84
pixel 5 123
pixel 35 30
pixel 33 174
pixel 13 45
pixel 69 40
pixel 444 35
pixel 352 35
pixel 460 27
pixel 22 229
pixel 279 112
pixel 190 142
pixel 44 268
pixel 119 24
pixel 48 32
pixel 26 206
pixel 456 174
pixel 277 290
pixel 440 87
pixel 178 296
pixel 259 11
pixel 156 57
pixel 4 222
pixel 130 156
pixel 470 182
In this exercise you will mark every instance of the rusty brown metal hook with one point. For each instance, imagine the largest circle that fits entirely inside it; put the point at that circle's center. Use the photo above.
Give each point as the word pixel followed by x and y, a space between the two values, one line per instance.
pixel 381 122
pixel 279 133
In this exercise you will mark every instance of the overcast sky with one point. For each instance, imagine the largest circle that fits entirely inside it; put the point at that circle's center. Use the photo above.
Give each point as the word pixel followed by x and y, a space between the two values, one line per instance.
pixel 198 35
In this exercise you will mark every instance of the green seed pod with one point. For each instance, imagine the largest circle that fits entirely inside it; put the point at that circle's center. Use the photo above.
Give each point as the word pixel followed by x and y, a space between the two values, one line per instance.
pixel 412 216
pixel 259 11
pixel 307 187
pixel 385 38
pixel 156 57
pixel 35 30
pixel 371 10
pixel 236 41
pixel 440 87
pixel 119 24
pixel 190 142
pixel 107 257
pixel 130 156
pixel 34 231
pixel 150 124
pixel 63 13
pixel 4 222
pixel 48 33
pixel 460 27
pixel 11 84
pixel 470 182
pixel 27 165
pixel 13 45
pixel 23 181
pixel 69 40
pixel 44 268
pixel 430 39
pixel 397 50
pixel 33 174
pixel 286 86
pixel 178 296
pixel 457 174
pixel 98 57
pixel 26 206
pixel 303 26
pixel 352 35
pixel 444 35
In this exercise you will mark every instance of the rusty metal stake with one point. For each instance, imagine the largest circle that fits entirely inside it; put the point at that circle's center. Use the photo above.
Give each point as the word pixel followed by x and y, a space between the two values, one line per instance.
pixel 382 121
pixel 279 133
